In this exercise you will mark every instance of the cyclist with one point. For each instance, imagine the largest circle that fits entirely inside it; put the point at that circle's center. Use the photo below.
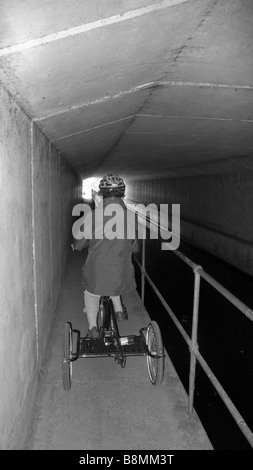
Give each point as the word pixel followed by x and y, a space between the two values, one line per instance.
pixel 108 269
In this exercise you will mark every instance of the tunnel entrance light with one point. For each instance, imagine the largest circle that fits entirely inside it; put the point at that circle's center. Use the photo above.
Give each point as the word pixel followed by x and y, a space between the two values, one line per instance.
pixel 88 185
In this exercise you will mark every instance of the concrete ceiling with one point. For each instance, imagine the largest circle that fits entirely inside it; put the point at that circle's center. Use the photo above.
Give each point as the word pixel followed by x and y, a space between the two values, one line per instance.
pixel 145 88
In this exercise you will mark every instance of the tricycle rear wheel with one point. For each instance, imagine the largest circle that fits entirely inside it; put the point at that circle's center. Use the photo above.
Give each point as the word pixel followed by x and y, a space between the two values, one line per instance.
pixel 67 349
pixel 155 360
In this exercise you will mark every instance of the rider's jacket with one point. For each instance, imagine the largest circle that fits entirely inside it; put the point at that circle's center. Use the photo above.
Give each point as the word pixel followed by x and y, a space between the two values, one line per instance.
pixel 108 269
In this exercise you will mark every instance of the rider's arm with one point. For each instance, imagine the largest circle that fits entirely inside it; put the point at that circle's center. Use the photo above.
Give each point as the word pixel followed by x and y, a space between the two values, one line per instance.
pixel 135 245
pixel 79 245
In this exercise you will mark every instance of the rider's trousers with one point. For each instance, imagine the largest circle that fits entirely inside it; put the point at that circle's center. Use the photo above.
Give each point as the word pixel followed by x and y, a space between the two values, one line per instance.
pixel 91 302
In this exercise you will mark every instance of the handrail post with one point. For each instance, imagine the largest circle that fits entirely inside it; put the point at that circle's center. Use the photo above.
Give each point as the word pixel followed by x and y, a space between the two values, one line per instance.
pixel 194 338
pixel 143 263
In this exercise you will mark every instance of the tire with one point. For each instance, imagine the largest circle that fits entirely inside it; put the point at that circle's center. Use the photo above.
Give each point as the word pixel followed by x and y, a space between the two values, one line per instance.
pixel 104 314
pixel 67 344
pixel 155 346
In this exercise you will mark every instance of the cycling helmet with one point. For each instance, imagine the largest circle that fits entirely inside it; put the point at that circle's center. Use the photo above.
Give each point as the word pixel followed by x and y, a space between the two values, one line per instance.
pixel 112 185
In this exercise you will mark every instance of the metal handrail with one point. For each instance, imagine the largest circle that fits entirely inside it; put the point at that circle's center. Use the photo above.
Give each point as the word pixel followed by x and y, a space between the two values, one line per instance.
pixel 193 342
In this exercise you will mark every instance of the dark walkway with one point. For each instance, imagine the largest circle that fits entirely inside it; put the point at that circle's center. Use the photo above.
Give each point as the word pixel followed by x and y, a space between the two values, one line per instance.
pixel 108 407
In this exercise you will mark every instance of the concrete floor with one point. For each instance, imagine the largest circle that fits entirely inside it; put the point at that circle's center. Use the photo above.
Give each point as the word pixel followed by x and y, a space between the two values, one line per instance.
pixel 108 407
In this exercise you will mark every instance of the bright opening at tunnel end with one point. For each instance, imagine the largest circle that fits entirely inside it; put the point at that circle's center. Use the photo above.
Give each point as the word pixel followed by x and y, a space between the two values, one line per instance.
pixel 128 224
pixel 89 185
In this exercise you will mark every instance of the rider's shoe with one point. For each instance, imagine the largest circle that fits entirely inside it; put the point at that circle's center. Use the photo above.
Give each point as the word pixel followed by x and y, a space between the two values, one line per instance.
pixel 93 333
pixel 121 315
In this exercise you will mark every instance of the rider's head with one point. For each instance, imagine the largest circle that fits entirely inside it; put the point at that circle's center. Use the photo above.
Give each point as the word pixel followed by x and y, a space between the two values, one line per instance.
pixel 112 185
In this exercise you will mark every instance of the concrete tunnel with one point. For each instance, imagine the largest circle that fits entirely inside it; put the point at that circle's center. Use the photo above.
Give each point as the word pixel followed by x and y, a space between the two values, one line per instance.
pixel 159 92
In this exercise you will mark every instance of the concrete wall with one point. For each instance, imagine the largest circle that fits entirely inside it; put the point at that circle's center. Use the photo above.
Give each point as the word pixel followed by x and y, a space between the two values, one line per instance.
pixel 216 212
pixel 38 191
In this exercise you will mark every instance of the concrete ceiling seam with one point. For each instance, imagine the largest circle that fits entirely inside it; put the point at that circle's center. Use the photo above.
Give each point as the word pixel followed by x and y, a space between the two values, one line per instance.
pixel 201 118
pixel 103 159
pixel 95 127
pixel 144 86
pixel 173 144
pixel 180 50
pixel 203 85
pixel 182 135
pixel 142 105
pixel 97 101
pixel 90 26
pixel 174 171
pixel 131 118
